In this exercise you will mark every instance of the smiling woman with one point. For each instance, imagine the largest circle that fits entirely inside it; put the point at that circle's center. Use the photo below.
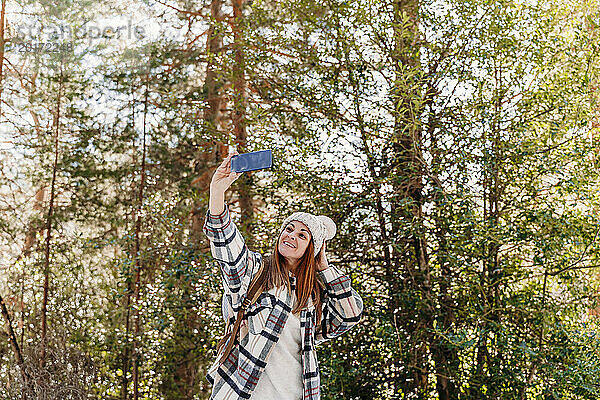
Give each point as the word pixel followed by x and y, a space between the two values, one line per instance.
pixel 300 302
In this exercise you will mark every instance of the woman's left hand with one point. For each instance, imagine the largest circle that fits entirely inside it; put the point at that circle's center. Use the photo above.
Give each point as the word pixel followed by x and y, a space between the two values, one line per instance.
pixel 322 262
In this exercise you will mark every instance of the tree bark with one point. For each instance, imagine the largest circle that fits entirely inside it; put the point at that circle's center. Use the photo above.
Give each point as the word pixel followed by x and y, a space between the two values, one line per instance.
pixel 244 189
pixel 375 183
pixel 444 356
pixel 49 217
pixel 127 348
pixel 489 357
pixel 2 11
pixel 493 267
pixel 410 250
pixel 138 263
pixel 30 241
pixel 209 154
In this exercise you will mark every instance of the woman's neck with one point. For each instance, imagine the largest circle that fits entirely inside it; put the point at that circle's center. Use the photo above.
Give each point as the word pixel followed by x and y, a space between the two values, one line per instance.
pixel 292 267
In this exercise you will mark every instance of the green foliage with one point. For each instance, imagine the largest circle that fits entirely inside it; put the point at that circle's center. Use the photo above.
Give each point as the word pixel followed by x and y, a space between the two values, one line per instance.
pixel 454 143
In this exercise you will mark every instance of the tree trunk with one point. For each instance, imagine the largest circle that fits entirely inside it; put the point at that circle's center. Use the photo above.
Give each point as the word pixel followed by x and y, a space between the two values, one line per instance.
pixel 444 355
pixel 2 53
pixel 488 355
pixel 493 267
pixel 30 241
pixel 49 223
pixel 127 348
pixel 210 154
pixel 410 250
pixel 244 190
pixel 138 263
pixel 375 183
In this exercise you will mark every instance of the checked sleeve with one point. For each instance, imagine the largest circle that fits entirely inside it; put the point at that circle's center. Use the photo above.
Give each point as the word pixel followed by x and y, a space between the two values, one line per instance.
pixel 236 262
pixel 342 306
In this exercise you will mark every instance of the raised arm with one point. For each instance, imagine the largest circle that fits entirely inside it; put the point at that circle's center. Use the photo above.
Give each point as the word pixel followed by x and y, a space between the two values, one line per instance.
pixel 227 245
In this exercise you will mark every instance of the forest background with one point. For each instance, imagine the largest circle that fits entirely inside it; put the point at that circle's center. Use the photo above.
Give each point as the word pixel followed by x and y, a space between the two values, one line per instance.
pixel 454 142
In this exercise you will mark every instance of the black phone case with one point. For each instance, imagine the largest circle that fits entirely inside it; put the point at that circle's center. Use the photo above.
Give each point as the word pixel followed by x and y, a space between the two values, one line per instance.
pixel 252 161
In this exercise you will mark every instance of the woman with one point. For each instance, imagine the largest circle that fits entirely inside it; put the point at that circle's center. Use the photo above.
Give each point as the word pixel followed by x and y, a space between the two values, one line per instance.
pixel 274 356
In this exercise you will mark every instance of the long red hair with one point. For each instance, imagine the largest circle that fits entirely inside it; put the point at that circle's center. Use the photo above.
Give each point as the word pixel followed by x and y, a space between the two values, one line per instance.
pixel 275 274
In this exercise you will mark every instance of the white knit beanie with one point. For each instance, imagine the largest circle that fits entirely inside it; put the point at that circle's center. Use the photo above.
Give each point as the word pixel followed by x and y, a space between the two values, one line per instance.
pixel 321 228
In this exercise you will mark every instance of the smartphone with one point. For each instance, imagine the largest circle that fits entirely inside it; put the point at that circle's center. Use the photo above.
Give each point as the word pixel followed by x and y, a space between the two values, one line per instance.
pixel 252 161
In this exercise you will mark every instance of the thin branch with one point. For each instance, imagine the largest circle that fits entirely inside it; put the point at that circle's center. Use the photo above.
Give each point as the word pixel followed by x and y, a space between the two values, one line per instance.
pixel 13 341
pixel 179 10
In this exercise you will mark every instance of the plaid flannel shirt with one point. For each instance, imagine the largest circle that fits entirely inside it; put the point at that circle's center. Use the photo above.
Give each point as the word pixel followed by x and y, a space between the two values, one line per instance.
pixel 263 321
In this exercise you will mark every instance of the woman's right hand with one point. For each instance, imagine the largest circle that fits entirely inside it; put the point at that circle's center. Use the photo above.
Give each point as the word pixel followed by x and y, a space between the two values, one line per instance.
pixel 224 176
pixel 221 180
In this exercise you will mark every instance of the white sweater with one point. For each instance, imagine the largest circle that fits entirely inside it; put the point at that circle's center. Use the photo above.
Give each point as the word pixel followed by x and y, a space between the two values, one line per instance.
pixel 282 376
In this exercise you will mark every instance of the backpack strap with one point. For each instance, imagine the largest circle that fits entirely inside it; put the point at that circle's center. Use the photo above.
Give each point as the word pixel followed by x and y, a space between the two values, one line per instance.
pixel 253 292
